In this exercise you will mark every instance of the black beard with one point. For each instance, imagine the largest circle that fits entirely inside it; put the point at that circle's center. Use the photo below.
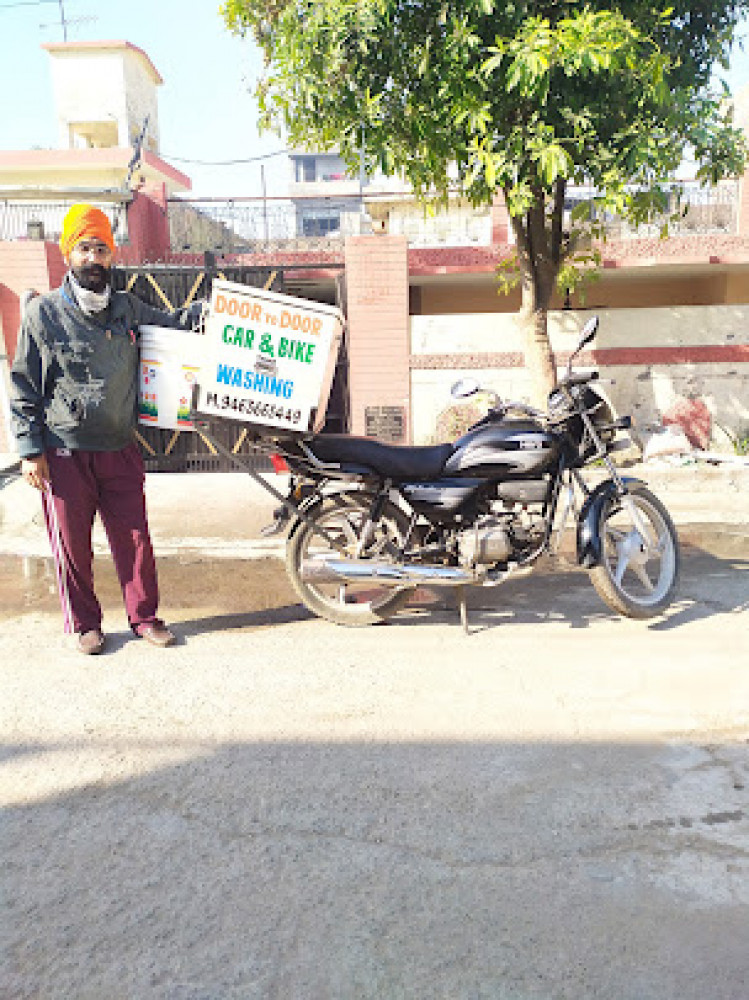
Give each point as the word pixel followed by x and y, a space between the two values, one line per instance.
pixel 93 277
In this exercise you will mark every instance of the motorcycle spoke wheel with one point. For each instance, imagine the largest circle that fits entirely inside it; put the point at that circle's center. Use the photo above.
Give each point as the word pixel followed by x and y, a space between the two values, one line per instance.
pixel 344 519
pixel 639 567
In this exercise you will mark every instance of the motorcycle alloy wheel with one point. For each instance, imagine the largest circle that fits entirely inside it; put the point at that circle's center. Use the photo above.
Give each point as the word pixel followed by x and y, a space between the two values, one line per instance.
pixel 637 576
pixel 344 518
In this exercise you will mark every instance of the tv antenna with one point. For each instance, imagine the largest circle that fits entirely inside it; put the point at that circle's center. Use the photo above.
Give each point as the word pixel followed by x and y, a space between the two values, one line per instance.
pixel 65 21
pixel 137 153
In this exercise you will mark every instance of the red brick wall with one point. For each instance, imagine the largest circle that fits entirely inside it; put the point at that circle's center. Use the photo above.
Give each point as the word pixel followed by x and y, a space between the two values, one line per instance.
pixel 56 265
pixel 148 226
pixel 378 334
pixel 23 265
pixel 500 223
pixel 744 205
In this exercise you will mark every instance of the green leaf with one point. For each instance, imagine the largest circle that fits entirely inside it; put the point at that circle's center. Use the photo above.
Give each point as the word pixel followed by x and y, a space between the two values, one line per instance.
pixel 516 74
pixel 553 162
pixel 492 63
pixel 581 211
pixel 490 173
pixel 514 95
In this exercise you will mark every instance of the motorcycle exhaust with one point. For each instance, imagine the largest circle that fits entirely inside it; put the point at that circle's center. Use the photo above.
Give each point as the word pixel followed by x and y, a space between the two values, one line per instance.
pixel 327 570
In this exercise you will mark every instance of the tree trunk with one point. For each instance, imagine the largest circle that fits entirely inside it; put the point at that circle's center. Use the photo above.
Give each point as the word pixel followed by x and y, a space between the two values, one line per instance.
pixel 538 259
pixel 539 358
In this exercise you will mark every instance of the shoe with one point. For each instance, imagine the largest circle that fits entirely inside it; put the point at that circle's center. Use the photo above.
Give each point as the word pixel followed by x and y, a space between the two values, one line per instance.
pixel 157 634
pixel 91 642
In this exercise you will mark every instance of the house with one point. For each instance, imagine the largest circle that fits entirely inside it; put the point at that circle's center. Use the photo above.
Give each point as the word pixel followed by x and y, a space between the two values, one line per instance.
pixel 99 128
pixel 422 301
pixel 424 309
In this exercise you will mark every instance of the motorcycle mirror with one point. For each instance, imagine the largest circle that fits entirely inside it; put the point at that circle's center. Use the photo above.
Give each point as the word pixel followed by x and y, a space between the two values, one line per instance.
pixel 464 387
pixel 588 332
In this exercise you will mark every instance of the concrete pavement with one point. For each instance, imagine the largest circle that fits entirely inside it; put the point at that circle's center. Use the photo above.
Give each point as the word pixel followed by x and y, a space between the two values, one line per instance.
pixel 553 807
pixel 221 514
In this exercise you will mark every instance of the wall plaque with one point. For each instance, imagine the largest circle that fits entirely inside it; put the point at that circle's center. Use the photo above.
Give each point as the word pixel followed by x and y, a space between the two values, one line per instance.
pixel 387 423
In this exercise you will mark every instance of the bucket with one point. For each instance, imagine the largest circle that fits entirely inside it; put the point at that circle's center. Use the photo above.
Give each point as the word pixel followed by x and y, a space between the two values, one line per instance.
pixel 170 362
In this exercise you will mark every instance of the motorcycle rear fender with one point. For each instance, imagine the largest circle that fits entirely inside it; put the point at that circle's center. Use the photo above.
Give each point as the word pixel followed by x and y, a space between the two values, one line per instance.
pixel 330 488
pixel 589 541
pixel 334 487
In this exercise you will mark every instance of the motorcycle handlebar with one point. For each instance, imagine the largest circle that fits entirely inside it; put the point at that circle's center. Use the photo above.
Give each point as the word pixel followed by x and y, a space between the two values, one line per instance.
pixel 579 379
pixel 525 408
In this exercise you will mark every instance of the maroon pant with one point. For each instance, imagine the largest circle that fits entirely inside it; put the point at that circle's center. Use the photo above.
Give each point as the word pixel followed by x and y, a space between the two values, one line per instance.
pixel 83 483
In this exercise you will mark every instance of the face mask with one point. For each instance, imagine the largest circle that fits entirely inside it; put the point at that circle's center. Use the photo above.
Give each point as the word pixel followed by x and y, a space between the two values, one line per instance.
pixel 89 301
pixel 93 277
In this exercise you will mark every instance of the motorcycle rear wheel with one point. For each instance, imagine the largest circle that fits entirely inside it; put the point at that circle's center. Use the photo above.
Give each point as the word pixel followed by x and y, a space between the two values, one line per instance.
pixel 637 577
pixel 343 518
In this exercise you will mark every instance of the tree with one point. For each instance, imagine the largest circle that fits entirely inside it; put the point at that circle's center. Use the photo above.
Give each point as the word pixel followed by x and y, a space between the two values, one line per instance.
pixel 520 96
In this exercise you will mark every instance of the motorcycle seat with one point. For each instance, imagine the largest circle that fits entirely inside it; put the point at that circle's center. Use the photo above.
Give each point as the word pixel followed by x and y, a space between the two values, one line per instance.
pixel 393 461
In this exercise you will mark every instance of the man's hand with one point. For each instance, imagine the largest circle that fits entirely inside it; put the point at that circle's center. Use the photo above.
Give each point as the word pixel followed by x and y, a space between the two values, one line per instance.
pixel 195 314
pixel 36 471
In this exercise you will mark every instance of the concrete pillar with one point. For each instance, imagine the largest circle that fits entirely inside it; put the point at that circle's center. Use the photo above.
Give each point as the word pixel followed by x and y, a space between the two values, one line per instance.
pixel 24 264
pixel 744 205
pixel 147 225
pixel 378 345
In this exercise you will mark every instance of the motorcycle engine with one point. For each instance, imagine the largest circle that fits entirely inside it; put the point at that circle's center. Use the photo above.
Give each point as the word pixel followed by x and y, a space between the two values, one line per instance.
pixel 487 542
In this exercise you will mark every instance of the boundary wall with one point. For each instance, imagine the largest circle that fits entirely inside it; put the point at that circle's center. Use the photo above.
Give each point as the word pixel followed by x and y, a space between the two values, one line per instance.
pixel 654 357
pixel 401 366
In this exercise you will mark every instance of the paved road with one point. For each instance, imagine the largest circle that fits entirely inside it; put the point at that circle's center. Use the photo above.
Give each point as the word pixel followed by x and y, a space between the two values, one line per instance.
pixel 553 807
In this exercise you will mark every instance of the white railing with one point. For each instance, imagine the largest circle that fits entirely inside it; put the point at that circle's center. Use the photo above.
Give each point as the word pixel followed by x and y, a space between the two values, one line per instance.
pixel 42 220
pixel 701 211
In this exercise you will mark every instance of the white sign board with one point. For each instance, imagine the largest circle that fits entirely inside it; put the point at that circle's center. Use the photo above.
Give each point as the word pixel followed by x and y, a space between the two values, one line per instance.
pixel 268 358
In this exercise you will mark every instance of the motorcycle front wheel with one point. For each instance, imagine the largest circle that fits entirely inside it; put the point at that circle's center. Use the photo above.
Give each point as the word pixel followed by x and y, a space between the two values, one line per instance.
pixel 639 568
pixel 344 518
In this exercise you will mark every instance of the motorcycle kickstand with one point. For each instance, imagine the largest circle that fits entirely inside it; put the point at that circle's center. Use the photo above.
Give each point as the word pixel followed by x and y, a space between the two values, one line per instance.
pixel 462 595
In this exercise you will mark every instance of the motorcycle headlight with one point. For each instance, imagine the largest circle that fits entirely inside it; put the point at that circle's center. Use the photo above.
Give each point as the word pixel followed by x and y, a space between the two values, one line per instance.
pixel 600 411
pixel 559 405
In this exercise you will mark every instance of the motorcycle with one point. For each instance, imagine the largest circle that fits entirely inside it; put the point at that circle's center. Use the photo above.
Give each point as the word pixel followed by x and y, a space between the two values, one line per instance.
pixel 371 522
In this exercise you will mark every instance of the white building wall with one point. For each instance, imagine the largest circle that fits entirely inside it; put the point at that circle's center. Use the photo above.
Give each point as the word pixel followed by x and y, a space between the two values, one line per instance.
pixel 456 226
pixel 141 101
pixel 88 87
pixel 644 390
pixel 108 86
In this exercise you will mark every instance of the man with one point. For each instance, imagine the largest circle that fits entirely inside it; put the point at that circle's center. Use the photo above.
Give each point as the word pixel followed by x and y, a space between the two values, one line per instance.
pixel 73 401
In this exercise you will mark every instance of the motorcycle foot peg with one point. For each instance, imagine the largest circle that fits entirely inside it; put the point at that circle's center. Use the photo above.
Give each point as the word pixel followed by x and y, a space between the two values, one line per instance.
pixel 280 520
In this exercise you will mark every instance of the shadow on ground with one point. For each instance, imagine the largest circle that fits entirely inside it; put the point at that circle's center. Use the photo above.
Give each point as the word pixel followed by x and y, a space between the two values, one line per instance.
pixel 316 871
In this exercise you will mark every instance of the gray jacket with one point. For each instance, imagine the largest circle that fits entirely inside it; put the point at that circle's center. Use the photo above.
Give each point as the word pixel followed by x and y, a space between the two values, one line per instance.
pixel 74 380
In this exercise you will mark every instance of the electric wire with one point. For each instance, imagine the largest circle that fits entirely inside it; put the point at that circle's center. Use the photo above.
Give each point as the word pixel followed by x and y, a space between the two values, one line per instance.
pixel 26 3
pixel 222 163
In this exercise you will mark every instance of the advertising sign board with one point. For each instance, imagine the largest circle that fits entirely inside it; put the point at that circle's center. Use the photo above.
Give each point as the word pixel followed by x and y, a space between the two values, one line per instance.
pixel 268 358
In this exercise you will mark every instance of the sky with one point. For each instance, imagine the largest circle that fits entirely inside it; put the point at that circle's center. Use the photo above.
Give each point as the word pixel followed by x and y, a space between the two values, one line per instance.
pixel 206 108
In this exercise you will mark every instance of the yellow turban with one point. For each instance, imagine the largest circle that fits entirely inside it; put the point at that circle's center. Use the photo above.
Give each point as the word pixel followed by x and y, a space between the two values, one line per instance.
pixel 85 222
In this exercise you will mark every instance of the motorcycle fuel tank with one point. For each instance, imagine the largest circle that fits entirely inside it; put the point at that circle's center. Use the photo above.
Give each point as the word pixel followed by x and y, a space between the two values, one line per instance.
pixel 512 448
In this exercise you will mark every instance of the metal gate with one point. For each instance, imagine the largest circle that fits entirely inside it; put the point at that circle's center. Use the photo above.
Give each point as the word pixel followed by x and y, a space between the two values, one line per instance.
pixel 169 287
